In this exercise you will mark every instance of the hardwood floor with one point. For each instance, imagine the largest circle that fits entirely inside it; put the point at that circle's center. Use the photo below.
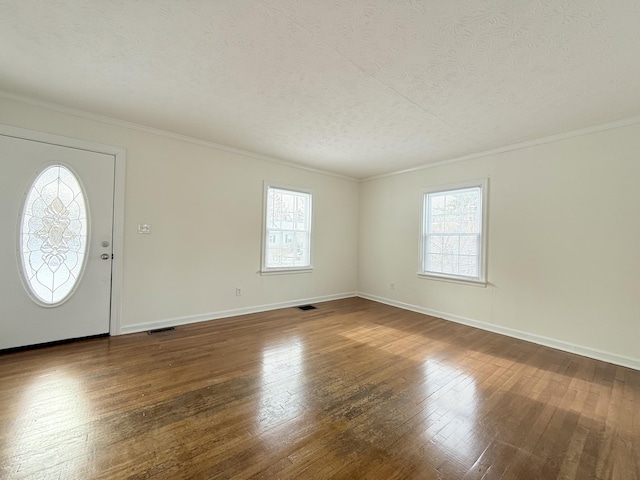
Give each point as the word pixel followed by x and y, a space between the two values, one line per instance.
pixel 354 389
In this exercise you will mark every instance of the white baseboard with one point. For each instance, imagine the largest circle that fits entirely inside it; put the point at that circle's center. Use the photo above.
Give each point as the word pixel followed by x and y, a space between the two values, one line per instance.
pixel 174 322
pixel 596 354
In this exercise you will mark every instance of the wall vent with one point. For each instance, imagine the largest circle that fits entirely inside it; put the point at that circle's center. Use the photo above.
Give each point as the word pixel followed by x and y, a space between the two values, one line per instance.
pixel 159 330
pixel 307 307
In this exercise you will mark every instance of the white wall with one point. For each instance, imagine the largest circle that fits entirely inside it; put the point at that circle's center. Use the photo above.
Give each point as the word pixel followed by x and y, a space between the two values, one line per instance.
pixel 564 230
pixel 205 208
pixel 563 244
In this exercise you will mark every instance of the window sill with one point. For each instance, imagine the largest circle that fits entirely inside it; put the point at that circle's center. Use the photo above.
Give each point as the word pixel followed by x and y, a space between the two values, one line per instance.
pixel 284 271
pixel 458 280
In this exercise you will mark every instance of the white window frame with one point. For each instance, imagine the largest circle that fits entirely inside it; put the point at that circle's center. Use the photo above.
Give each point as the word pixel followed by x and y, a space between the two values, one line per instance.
pixel 481 279
pixel 265 231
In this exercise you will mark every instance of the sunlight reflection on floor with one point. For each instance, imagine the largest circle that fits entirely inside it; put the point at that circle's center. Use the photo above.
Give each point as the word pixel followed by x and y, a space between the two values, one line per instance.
pixel 391 340
pixel 55 413
pixel 451 408
pixel 282 396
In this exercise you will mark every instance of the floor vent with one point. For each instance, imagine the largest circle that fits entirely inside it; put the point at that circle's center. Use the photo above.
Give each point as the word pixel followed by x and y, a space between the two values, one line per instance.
pixel 159 330
pixel 307 307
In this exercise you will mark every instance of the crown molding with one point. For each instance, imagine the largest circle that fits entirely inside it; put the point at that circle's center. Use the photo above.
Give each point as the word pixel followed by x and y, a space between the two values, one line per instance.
pixel 258 156
pixel 625 122
pixel 163 133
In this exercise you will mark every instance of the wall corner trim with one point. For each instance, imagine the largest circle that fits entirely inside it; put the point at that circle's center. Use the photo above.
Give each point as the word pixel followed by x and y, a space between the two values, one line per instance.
pixel 596 354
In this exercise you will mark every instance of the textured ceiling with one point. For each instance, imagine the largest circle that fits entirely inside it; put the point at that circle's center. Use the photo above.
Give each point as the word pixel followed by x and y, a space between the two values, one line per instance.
pixel 356 87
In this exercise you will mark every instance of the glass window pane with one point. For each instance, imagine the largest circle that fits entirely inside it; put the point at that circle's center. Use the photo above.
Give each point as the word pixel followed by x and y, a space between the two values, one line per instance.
pixel 451 223
pixel 288 217
pixel 435 244
pixel 53 235
pixel 434 262
pixel 449 264
pixel 469 245
pixel 437 223
pixel 437 205
pixel 453 232
pixel 468 265
pixel 450 244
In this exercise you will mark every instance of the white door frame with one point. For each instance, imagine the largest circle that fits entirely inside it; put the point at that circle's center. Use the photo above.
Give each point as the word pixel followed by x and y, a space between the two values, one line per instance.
pixel 120 155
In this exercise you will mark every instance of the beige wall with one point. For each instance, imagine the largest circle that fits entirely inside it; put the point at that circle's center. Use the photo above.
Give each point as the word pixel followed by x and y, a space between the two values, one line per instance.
pixel 563 244
pixel 564 229
pixel 205 208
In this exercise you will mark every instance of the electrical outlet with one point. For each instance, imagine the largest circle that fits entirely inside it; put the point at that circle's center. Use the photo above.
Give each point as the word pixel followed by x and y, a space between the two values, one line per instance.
pixel 392 286
pixel 238 292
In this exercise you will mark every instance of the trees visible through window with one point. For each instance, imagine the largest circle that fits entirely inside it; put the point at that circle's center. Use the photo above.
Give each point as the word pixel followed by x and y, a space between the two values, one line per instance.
pixel 287 244
pixel 453 239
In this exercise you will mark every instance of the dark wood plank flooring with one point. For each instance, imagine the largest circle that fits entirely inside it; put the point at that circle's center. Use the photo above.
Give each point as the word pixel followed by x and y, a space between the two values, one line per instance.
pixel 354 389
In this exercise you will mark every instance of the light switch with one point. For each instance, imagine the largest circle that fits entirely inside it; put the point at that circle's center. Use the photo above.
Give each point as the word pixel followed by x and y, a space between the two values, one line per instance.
pixel 144 228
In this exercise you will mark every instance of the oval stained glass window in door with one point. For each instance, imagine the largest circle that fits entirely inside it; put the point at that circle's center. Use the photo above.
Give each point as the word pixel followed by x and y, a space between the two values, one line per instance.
pixel 53 235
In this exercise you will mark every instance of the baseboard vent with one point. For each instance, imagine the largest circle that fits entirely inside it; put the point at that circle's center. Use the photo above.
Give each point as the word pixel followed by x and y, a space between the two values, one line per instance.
pixel 159 330
pixel 307 307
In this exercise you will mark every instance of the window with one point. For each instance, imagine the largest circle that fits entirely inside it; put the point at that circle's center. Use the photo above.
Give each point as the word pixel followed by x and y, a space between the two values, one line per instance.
pixel 287 236
pixel 53 235
pixel 453 242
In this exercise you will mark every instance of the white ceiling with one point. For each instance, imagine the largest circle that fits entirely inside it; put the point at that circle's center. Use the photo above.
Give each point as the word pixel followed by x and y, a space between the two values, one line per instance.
pixel 356 87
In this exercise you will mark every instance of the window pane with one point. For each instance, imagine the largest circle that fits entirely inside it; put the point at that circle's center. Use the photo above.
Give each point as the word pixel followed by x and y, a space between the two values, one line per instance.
pixel 53 235
pixel 468 265
pixel 437 205
pixel 434 263
pixel 288 219
pixel 453 222
pixel 302 248
pixel 450 244
pixel 468 223
pixel 437 223
pixel 449 264
pixel 435 244
pixel 469 245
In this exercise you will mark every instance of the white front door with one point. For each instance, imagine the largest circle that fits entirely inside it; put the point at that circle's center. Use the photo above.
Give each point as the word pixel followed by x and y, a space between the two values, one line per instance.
pixel 56 235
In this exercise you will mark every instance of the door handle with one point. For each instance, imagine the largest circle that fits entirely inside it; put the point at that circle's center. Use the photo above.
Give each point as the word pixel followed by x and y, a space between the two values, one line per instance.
pixel 105 256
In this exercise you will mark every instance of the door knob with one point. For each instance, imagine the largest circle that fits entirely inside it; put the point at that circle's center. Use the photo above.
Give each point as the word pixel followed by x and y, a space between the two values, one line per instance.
pixel 105 256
